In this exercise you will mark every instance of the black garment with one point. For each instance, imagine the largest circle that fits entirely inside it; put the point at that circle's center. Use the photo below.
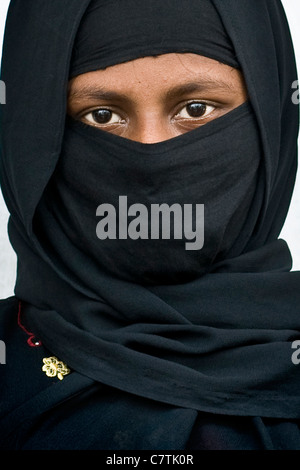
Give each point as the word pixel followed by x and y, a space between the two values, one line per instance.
pixel 148 28
pixel 131 184
pixel 184 350
pixel 43 413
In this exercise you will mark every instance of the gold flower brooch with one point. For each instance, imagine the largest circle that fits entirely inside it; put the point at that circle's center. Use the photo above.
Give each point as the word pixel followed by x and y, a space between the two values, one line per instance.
pixel 55 368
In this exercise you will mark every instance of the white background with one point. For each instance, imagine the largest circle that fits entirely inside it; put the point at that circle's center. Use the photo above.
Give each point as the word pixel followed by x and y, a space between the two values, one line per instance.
pixel 291 230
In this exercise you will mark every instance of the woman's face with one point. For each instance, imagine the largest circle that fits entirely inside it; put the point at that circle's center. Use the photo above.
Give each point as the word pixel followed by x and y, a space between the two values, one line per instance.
pixel 153 99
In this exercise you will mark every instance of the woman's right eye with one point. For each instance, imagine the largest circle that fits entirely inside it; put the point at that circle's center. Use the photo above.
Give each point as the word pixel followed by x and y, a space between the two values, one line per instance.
pixel 102 116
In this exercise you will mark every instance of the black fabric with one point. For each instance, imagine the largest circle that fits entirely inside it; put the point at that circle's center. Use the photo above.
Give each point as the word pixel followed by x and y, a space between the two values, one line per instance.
pixel 153 230
pixel 197 345
pixel 115 32
pixel 42 413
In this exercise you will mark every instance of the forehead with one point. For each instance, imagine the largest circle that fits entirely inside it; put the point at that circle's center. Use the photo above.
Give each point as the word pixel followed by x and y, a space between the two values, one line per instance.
pixel 160 72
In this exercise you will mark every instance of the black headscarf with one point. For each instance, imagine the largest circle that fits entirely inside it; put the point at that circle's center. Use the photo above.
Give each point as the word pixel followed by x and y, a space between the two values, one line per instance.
pixel 218 340
pixel 142 29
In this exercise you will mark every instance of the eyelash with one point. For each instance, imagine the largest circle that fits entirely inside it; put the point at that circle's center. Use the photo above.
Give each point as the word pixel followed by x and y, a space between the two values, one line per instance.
pixel 89 116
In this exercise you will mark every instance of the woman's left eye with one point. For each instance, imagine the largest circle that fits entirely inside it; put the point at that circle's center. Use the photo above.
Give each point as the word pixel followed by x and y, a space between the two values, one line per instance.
pixel 195 110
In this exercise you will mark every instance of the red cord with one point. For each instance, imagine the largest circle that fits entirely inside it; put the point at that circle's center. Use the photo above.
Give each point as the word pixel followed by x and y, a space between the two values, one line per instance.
pixel 30 341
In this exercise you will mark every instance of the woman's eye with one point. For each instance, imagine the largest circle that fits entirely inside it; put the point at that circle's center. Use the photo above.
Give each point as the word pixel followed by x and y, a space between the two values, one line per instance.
pixel 195 110
pixel 103 116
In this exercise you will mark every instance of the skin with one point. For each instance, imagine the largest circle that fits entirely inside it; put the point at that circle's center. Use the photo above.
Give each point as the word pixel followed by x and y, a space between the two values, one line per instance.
pixel 154 99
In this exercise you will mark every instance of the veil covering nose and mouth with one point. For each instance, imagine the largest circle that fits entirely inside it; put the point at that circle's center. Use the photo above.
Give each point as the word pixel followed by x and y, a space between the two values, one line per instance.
pixel 209 330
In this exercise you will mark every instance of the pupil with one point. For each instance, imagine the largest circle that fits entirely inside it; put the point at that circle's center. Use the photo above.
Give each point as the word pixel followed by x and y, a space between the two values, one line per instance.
pixel 102 116
pixel 196 109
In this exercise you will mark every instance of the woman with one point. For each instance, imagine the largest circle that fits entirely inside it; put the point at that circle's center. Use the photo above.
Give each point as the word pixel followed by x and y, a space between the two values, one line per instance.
pixel 148 157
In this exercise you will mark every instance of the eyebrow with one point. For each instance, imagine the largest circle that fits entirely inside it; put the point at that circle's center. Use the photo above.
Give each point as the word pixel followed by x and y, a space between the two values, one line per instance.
pixel 96 92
